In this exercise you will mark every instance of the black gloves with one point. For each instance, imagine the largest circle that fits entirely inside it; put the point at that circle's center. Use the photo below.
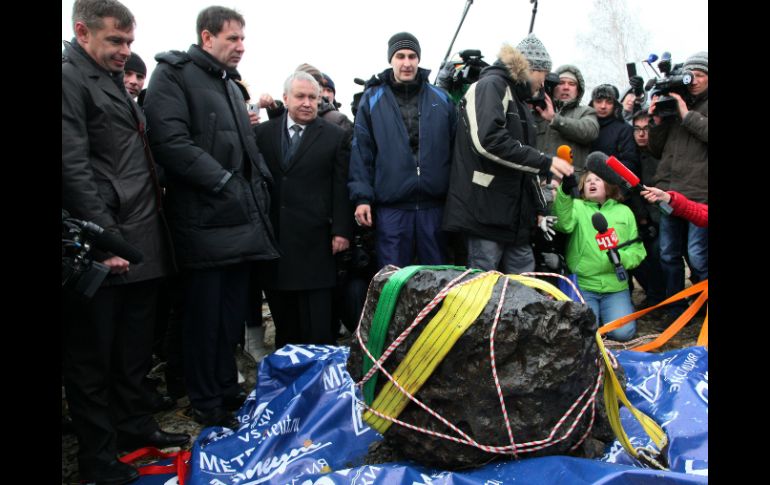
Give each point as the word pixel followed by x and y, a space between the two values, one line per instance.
pixel 568 183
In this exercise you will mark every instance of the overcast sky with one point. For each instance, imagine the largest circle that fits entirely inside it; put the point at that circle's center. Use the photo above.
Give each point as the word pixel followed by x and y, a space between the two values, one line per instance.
pixel 348 39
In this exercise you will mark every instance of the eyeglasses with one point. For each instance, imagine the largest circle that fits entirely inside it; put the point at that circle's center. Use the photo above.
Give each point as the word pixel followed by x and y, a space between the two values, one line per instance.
pixel 641 128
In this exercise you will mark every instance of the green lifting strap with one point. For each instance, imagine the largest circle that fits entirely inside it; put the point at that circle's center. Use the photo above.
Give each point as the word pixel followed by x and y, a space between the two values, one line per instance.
pixel 386 305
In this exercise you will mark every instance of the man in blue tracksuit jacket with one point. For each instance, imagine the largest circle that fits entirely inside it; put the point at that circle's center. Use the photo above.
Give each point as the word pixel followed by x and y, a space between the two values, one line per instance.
pixel 400 158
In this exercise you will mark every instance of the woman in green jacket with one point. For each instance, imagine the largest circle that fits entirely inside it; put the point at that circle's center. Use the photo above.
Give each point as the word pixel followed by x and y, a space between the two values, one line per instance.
pixel 608 297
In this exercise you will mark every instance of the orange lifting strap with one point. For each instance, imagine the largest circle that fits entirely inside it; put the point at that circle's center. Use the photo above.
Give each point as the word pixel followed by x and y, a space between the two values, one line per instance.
pixel 701 287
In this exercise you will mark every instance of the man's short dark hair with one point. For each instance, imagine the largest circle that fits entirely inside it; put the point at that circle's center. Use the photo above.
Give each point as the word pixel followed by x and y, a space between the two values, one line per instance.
pixel 213 19
pixel 640 114
pixel 93 12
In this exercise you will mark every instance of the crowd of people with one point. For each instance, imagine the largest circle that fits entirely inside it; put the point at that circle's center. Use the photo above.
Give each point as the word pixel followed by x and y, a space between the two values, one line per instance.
pixel 304 207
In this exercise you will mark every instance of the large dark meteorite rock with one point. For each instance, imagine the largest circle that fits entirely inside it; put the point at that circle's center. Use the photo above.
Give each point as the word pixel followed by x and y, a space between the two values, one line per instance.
pixel 545 355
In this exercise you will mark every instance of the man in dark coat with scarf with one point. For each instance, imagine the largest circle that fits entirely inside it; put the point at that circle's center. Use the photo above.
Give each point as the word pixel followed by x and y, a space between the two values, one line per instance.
pixel 108 179
pixel 217 196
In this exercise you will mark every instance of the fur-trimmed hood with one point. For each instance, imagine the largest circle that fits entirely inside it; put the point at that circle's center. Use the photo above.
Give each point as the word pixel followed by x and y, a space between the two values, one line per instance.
pixel 581 82
pixel 515 62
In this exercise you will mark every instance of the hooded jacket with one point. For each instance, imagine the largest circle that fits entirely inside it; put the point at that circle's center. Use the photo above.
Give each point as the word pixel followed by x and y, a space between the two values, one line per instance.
pixel 494 192
pixel 573 125
pixel 217 181
pixel 107 177
pixel 594 270
pixel 683 149
pixel 384 170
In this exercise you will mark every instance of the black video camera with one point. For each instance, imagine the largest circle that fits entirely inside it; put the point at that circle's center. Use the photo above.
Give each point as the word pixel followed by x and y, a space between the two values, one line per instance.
pixel 80 274
pixel 550 83
pixel 676 80
pixel 457 75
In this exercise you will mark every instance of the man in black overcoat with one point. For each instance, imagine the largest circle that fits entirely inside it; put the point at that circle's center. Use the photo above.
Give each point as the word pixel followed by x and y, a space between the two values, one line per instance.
pixel 310 213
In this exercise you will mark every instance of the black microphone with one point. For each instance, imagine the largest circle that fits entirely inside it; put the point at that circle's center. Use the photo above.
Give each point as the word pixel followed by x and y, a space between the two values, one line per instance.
pixel 607 240
pixel 110 242
pixel 596 162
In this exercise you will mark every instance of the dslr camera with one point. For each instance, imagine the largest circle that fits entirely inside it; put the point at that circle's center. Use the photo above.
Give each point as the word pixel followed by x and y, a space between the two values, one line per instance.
pixel 675 80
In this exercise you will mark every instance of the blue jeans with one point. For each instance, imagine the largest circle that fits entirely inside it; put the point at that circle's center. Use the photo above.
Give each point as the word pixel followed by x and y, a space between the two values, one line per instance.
pixel 611 306
pixel 678 239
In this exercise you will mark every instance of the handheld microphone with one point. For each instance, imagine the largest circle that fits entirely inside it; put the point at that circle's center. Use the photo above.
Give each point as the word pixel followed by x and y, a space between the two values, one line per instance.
pixel 565 152
pixel 607 239
pixel 110 242
pixel 596 162
pixel 633 181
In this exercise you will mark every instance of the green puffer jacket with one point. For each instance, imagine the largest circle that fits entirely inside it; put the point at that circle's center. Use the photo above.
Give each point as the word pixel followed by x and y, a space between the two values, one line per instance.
pixel 584 258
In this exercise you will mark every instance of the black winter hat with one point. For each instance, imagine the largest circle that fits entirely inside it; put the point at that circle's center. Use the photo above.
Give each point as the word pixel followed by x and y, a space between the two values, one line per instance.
pixel 403 40
pixel 135 64
pixel 605 91
pixel 329 83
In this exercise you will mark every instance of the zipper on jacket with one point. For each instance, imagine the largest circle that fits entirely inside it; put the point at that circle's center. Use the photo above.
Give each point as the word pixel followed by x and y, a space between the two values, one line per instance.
pixel 419 122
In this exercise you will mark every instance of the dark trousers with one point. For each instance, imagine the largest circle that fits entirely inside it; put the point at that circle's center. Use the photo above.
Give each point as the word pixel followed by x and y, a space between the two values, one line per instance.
pixel 107 344
pixel 402 234
pixel 216 307
pixel 301 317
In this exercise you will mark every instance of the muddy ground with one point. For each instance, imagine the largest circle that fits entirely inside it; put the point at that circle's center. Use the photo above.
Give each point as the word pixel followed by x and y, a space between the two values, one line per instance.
pixel 176 420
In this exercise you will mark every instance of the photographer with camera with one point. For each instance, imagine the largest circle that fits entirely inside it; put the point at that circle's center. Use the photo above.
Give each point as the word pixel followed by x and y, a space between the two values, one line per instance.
pixel 681 143
pixel 108 179
pixel 633 98
pixel 565 121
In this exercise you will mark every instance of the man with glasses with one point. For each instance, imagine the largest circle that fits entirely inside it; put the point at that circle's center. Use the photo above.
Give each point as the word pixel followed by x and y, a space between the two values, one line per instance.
pixel 649 274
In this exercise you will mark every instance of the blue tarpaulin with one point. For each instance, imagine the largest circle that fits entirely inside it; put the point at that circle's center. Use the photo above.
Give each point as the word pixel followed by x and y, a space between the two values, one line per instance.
pixel 302 425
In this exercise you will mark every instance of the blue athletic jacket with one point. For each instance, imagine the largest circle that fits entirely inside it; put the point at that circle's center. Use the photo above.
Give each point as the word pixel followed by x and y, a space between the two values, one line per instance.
pixel 383 171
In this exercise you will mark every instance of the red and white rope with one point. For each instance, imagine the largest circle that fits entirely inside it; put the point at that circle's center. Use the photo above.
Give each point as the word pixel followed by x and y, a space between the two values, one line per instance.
pixel 419 318
pixel 569 282
pixel 513 448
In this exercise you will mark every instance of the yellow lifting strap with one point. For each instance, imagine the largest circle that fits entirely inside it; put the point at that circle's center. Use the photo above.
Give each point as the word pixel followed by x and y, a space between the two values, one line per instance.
pixel 613 392
pixel 461 307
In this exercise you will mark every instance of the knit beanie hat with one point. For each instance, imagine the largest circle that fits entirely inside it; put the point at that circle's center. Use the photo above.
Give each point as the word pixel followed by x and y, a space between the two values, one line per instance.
pixel 699 61
pixel 534 51
pixel 135 64
pixel 403 40
pixel 329 83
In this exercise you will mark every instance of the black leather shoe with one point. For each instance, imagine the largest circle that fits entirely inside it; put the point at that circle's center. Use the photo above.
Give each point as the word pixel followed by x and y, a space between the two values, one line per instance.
pixel 112 473
pixel 215 417
pixel 158 439
pixel 233 403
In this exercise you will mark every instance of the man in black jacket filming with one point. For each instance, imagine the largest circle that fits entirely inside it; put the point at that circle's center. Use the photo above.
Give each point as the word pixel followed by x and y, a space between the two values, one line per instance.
pixel 108 178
